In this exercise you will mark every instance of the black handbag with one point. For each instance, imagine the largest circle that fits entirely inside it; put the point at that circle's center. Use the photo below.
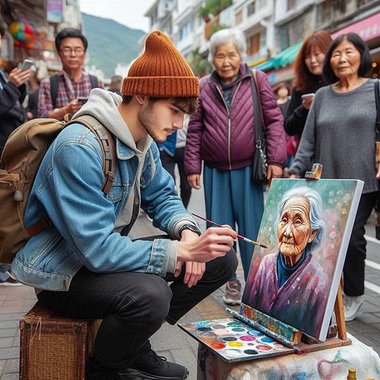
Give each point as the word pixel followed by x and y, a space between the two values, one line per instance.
pixel 259 162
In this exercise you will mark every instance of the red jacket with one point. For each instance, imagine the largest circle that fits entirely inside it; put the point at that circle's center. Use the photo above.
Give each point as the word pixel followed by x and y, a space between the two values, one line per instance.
pixel 224 138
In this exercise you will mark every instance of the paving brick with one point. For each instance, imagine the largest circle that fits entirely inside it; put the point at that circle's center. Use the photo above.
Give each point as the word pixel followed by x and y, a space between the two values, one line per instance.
pixel 9 324
pixel 6 333
pixel 9 353
pixel 2 366
pixel 6 342
pixel 12 366
pixel 10 376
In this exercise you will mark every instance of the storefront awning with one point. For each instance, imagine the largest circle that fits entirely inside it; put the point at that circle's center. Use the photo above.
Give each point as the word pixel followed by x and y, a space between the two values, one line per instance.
pixel 258 62
pixel 282 59
pixel 267 65
pixel 287 56
pixel 368 28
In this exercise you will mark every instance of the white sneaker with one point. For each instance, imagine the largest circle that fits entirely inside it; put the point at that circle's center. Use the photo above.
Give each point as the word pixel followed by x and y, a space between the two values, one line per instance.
pixel 232 294
pixel 352 306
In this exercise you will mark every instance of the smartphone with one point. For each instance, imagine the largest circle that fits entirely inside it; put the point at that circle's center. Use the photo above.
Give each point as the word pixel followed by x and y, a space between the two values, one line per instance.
pixel 82 100
pixel 310 94
pixel 27 64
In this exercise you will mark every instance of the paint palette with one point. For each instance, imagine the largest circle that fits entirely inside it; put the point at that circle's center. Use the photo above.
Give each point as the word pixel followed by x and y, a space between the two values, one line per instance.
pixel 233 340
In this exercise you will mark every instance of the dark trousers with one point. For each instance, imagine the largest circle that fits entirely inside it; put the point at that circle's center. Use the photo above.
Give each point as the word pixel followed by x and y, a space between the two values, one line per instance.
pixel 133 305
pixel 354 266
pixel 169 162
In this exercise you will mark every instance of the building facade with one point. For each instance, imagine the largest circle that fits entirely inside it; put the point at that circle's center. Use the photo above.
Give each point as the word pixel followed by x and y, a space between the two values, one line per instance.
pixel 274 29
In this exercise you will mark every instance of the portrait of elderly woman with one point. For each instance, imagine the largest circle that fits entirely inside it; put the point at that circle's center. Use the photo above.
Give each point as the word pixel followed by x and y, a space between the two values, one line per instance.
pixel 290 285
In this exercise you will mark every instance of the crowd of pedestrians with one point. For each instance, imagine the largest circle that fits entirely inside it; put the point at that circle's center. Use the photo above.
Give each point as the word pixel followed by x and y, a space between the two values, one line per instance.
pixel 207 129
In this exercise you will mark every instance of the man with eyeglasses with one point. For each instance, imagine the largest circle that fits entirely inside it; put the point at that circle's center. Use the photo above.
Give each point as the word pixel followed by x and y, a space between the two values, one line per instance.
pixel 67 91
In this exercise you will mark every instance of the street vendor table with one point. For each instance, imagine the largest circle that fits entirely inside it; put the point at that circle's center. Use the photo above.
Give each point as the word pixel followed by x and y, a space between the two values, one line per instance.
pixel 329 364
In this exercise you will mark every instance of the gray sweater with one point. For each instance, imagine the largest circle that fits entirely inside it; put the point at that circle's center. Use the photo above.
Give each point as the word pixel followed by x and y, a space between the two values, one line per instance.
pixel 340 134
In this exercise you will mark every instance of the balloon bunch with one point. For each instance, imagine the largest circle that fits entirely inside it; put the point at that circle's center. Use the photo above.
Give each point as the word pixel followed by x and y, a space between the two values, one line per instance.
pixel 24 34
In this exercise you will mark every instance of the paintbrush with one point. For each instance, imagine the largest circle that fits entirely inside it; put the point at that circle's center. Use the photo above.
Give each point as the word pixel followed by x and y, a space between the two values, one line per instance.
pixel 239 236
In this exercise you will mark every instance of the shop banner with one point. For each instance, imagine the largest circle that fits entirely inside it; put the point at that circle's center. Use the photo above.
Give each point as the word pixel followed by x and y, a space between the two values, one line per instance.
pixel 54 11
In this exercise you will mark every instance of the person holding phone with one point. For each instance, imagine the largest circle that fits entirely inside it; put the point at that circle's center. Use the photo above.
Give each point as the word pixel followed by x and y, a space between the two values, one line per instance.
pixel 63 93
pixel 308 79
pixel 12 94
pixel 340 134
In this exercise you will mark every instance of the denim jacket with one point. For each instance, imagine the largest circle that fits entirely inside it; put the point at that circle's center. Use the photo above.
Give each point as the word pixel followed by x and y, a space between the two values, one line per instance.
pixel 67 189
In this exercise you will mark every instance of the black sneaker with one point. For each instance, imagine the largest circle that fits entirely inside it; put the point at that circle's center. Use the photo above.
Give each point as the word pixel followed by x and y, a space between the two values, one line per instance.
pixel 150 366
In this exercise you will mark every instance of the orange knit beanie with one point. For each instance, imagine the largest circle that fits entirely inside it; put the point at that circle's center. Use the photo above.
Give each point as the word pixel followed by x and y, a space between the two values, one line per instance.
pixel 160 71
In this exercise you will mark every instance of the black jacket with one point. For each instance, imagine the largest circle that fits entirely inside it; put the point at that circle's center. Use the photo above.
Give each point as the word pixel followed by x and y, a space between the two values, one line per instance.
pixel 296 114
pixel 11 113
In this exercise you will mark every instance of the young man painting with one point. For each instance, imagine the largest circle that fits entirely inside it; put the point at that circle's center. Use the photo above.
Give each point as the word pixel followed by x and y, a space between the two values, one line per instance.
pixel 85 265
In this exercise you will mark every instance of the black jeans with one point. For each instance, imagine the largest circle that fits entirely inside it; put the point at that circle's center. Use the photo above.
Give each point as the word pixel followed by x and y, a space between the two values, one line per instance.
pixel 133 305
pixel 354 266
pixel 168 162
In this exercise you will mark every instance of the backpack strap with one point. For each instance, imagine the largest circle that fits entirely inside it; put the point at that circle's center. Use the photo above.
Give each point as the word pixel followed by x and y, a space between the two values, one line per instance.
pixel 94 81
pixel 54 89
pixel 107 144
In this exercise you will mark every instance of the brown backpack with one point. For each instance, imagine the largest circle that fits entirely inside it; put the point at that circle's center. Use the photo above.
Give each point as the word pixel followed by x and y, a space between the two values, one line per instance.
pixel 20 160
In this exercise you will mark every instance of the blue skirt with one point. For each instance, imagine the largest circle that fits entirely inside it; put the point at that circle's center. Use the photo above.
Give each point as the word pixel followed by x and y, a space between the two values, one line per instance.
pixel 232 198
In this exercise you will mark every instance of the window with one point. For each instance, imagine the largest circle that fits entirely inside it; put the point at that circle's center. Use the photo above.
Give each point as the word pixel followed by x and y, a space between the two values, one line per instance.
pixel 251 8
pixel 339 5
pixel 262 4
pixel 239 17
pixel 254 44
pixel 263 39
pixel 291 4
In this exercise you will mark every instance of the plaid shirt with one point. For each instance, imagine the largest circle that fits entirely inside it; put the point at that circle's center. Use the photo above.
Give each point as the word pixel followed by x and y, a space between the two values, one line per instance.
pixel 68 90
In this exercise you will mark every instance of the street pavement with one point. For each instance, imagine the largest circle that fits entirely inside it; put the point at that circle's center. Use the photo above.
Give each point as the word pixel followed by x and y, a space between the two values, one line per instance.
pixel 171 341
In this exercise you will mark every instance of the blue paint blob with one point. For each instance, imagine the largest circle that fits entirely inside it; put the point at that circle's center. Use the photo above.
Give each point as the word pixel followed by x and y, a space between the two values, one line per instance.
pixel 267 339
pixel 238 329
pixel 229 338
pixel 255 333
pixel 250 352
pixel 204 329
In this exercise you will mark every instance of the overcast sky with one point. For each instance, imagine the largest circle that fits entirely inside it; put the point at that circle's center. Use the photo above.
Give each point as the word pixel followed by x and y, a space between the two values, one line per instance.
pixel 126 12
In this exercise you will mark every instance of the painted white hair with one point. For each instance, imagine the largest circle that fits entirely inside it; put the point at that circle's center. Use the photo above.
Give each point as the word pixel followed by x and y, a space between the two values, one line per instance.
pixel 317 222
pixel 228 36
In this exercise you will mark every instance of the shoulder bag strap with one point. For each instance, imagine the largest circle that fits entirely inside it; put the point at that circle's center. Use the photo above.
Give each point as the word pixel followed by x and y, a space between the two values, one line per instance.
pixel 54 89
pixel 257 112
pixel 377 98
pixel 94 81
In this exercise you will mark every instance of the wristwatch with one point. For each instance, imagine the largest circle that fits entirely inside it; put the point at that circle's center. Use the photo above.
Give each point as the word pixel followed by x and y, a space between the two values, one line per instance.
pixel 190 227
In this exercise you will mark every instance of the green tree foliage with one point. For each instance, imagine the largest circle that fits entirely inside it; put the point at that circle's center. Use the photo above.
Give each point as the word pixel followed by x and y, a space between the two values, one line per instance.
pixel 214 7
pixel 199 64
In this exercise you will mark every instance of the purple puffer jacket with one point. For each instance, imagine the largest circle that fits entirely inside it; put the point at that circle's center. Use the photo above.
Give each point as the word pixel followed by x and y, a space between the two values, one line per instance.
pixel 224 138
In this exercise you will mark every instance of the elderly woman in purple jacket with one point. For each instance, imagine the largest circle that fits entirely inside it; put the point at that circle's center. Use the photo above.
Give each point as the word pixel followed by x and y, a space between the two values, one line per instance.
pixel 290 284
pixel 221 134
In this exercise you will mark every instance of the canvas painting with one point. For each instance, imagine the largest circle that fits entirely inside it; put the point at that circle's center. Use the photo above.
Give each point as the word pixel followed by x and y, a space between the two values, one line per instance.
pixel 306 227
